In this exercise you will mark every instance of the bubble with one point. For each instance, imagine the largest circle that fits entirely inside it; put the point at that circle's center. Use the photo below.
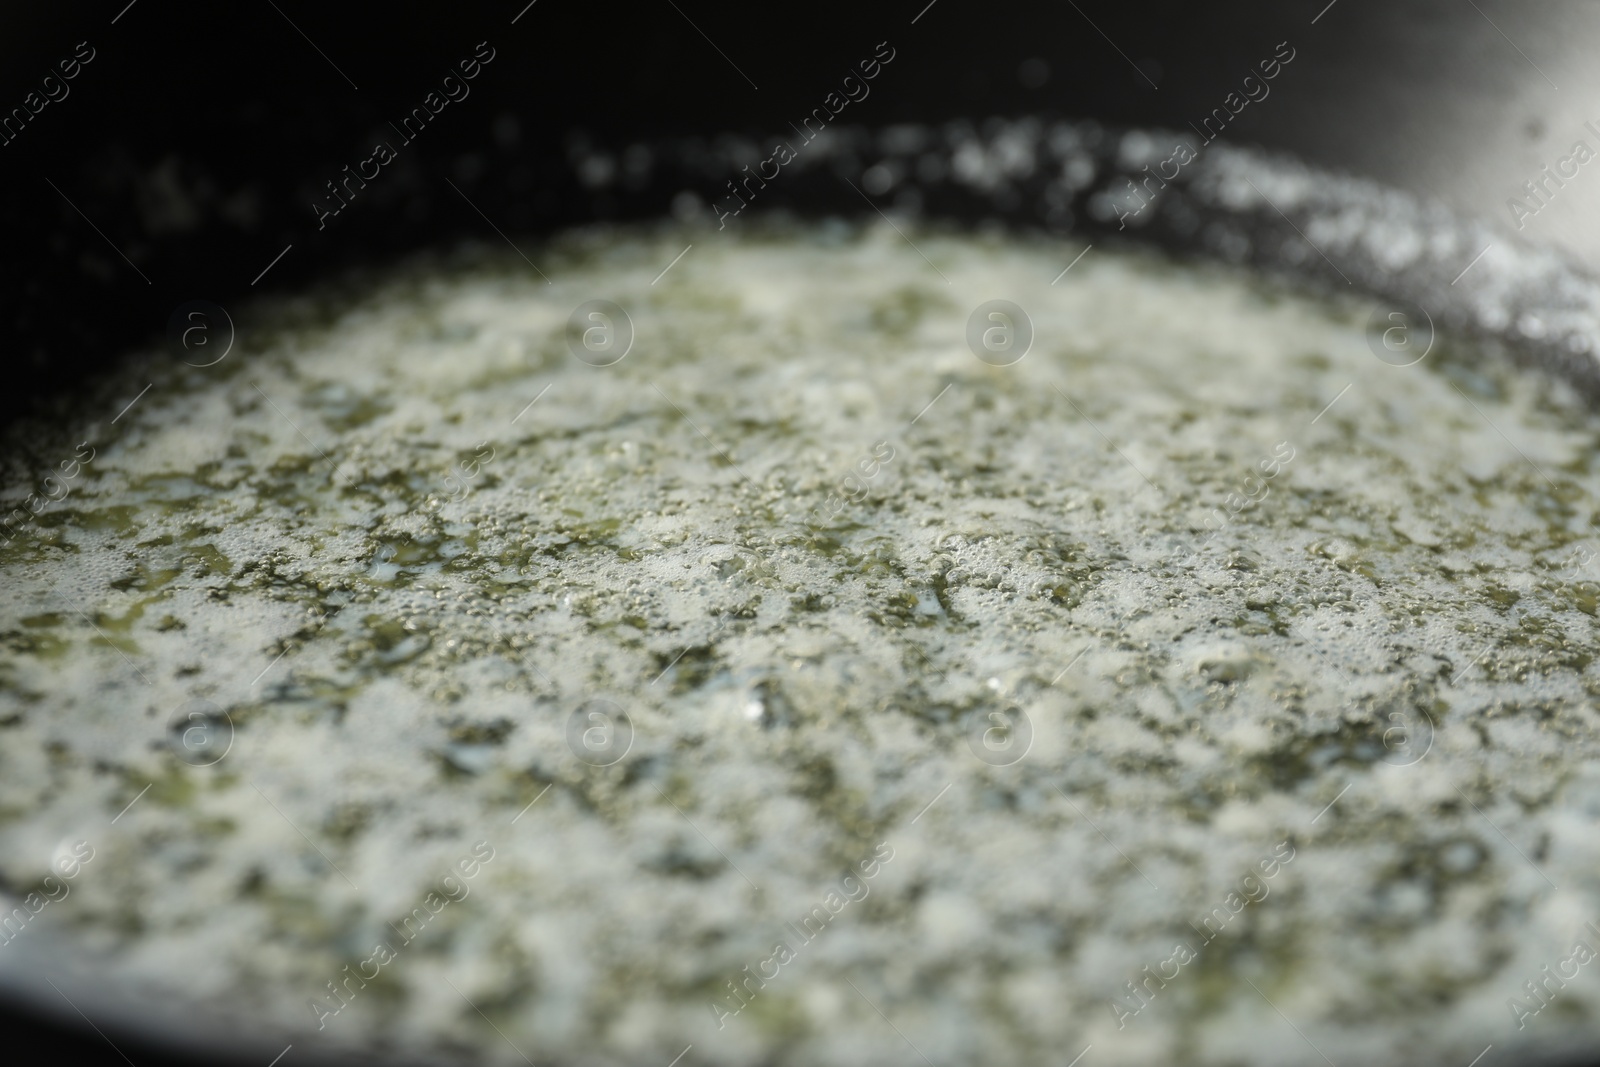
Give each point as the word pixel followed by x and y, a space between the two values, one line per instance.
pixel 202 733
pixel 686 206
pixel 1000 737
pixel 878 179
pixel 69 857
pixel 383 567
pixel 1407 736
pixel 201 333
pixel 599 333
pixel 1400 333
pixel 999 333
pixel 599 732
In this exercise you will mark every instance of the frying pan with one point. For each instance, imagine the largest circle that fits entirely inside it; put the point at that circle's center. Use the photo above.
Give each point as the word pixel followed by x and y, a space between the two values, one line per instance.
pixel 1388 156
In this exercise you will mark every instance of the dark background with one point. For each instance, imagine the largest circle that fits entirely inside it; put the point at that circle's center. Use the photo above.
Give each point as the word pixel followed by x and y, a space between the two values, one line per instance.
pixel 197 138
